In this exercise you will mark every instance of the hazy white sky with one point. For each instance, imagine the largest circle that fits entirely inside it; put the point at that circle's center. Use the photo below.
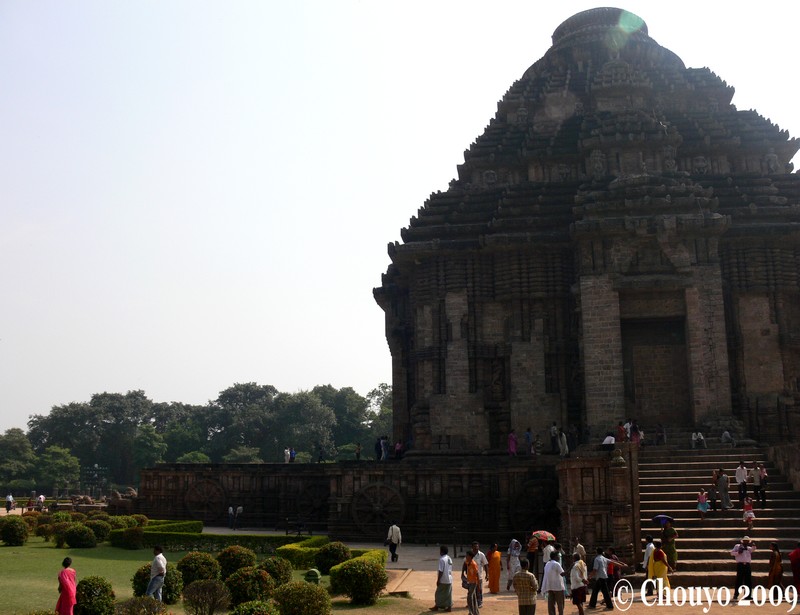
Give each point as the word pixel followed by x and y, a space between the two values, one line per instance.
pixel 198 193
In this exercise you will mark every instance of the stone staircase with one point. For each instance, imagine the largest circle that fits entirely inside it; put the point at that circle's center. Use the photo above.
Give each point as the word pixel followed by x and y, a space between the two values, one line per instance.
pixel 669 479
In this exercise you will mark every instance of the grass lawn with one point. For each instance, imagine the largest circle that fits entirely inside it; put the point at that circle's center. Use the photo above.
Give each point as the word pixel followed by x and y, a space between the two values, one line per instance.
pixel 29 580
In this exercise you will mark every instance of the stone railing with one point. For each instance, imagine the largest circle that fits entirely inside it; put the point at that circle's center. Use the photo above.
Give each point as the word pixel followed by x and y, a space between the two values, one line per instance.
pixel 787 458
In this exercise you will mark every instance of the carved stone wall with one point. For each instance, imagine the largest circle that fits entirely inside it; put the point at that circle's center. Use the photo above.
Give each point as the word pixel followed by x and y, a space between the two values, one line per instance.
pixel 432 499
pixel 614 187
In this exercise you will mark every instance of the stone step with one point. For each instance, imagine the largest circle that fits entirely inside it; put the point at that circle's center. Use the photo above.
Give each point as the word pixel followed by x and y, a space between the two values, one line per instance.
pixel 774 498
pixel 704 578
pixel 722 451
pixel 713 524
pixel 724 541
pixel 689 478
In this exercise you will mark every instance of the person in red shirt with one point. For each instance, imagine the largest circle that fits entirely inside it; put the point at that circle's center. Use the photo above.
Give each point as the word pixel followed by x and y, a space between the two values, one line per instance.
pixel 794 559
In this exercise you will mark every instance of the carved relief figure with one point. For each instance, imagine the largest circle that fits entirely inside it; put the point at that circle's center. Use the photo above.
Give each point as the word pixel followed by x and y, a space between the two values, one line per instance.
pixel 597 164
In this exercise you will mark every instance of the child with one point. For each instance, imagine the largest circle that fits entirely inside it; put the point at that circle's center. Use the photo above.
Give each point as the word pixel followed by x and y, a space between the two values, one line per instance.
pixel 749 516
pixel 702 504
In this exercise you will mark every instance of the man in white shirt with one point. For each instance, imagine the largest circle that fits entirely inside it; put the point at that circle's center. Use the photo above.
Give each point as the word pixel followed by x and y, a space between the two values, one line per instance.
pixel 444 582
pixel 648 553
pixel 546 551
pixel 393 539
pixel 609 442
pixel 158 572
pixel 600 574
pixel 741 481
pixel 553 585
pixel 742 552
pixel 479 558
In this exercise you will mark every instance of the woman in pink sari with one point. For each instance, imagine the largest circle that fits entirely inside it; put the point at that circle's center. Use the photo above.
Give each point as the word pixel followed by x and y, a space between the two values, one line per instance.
pixel 66 588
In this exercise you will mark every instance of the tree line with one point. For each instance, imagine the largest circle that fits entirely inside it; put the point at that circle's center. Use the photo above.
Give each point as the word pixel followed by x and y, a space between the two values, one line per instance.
pixel 107 440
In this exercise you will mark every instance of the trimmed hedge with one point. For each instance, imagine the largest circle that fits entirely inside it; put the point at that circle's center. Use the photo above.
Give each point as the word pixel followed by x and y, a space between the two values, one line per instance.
pixel 301 554
pixel 140 605
pixel 170 591
pixel 79 536
pixel 361 579
pixel 198 566
pixel 95 596
pixel 330 555
pixel 14 531
pixel 301 598
pixel 248 584
pixel 206 597
pixel 233 558
pixel 278 568
pixel 257 607
pixel 175 541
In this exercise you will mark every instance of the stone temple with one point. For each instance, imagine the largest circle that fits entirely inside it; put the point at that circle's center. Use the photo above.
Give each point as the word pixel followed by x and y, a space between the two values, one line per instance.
pixel 621 241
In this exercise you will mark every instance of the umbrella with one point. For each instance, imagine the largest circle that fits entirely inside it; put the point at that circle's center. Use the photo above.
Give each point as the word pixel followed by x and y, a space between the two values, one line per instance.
pixel 543 535
pixel 662 519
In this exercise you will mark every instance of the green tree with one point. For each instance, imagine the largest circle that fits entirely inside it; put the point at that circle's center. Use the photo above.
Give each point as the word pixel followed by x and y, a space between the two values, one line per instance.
pixel 120 417
pixel 194 457
pixel 185 428
pixel 305 423
pixel 148 447
pixel 351 412
pixel 57 468
pixel 380 419
pixel 17 458
pixel 75 426
pixel 243 454
pixel 242 415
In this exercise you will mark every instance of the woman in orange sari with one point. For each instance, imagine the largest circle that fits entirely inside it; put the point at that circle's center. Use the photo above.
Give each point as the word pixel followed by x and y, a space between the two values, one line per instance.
pixel 775 566
pixel 66 588
pixel 495 560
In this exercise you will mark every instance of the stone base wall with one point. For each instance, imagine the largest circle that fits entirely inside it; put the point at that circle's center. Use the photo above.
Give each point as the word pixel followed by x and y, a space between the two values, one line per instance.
pixel 433 499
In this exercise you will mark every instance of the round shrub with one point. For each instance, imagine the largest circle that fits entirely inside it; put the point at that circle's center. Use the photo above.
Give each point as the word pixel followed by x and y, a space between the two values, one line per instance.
pixel 94 596
pixel 133 538
pixel 141 605
pixel 300 598
pixel 141 520
pixel 99 515
pixel 233 558
pixel 78 536
pixel 361 579
pixel 206 597
pixel 197 566
pixel 279 568
pixel 32 519
pixel 256 607
pixel 250 583
pixel 331 554
pixel 14 531
pixel 171 590
pixel 77 517
pixel 59 533
pixel 120 522
pixel 44 530
pixel 60 517
pixel 101 529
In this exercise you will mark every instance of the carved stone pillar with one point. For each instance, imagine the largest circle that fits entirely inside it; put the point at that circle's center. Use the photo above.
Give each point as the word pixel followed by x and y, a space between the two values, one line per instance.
pixel 621 505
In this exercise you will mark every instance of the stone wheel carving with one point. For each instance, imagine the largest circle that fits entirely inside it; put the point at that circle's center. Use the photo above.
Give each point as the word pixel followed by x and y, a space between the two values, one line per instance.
pixel 376 506
pixel 535 505
pixel 205 500
pixel 312 503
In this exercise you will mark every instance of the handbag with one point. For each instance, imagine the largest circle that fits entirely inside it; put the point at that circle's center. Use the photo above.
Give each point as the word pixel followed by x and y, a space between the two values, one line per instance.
pixel 464 584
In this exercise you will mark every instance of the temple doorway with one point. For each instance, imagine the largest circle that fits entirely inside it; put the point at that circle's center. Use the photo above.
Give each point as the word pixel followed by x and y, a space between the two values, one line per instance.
pixel 655 372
